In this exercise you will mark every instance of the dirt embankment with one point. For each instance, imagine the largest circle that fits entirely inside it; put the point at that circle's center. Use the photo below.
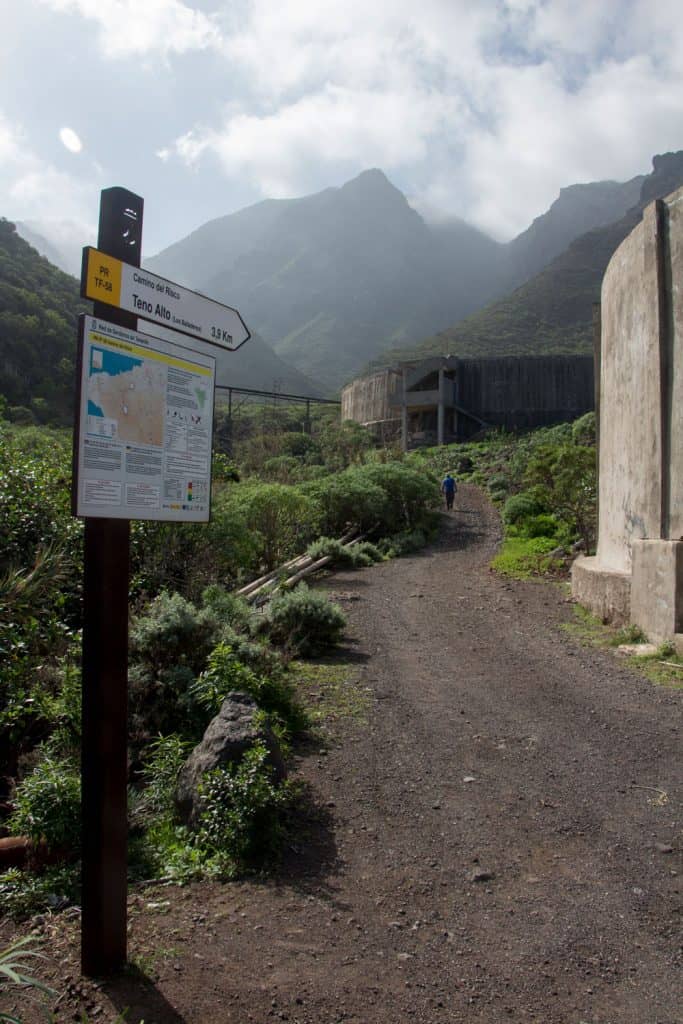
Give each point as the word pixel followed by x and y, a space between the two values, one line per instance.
pixel 499 840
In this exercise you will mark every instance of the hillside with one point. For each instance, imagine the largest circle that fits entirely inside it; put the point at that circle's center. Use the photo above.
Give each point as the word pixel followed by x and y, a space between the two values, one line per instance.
pixel 39 307
pixel 551 313
pixel 330 279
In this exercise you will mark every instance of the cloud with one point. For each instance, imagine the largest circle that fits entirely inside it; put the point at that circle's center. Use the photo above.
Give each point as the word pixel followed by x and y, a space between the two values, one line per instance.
pixel 36 190
pixel 485 110
pixel 337 126
pixel 133 28
pixel 70 140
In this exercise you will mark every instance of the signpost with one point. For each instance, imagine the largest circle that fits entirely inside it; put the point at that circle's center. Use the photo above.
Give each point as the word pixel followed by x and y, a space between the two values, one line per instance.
pixel 108 280
pixel 142 450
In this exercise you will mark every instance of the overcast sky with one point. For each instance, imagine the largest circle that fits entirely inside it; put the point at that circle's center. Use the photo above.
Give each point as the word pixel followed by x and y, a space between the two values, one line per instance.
pixel 479 109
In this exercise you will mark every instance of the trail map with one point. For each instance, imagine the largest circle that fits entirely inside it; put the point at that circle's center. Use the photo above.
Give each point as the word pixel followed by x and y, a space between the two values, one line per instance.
pixel 146 418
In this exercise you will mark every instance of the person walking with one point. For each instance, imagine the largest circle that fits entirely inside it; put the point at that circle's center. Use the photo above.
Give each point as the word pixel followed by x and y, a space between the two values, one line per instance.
pixel 448 489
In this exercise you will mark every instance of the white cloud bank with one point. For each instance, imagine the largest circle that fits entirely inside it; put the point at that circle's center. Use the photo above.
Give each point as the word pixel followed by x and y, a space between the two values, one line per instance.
pixel 134 28
pixel 483 110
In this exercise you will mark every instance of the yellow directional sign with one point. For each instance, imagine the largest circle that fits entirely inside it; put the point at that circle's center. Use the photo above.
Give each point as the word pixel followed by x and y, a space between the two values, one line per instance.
pixel 108 280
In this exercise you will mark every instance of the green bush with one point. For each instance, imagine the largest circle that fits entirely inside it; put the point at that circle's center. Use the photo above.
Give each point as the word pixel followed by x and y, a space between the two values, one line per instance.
pixel 281 519
pixel 304 623
pixel 165 757
pixel 403 543
pixel 519 507
pixel 172 632
pixel 241 823
pixel 47 805
pixel 411 495
pixel 584 430
pixel 521 557
pixel 229 609
pixel 347 500
pixel 23 893
pixel 169 645
pixel 273 693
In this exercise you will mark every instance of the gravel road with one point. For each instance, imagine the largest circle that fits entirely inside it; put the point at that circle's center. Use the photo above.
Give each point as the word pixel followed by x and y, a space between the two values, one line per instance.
pixel 500 840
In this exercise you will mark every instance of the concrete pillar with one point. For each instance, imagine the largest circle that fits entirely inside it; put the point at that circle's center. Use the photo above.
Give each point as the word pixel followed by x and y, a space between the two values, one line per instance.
pixel 440 410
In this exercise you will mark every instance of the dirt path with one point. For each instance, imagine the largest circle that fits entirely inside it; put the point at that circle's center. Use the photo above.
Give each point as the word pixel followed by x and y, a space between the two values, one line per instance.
pixel 500 841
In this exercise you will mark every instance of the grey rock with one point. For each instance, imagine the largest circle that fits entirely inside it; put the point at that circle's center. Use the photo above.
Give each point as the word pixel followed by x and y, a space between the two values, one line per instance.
pixel 228 737
pixel 482 876
pixel 664 848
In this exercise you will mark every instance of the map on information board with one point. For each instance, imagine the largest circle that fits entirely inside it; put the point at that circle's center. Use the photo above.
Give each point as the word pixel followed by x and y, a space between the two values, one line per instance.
pixel 143 444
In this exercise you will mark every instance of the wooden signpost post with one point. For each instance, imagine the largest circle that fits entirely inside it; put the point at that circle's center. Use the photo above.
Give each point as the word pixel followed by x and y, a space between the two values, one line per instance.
pixel 142 450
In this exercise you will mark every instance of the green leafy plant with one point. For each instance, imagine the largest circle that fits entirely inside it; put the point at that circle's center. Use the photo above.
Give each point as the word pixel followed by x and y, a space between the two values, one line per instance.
pixel 15 959
pixel 47 805
pixel 274 693
pixel 241 823
pixel 305 623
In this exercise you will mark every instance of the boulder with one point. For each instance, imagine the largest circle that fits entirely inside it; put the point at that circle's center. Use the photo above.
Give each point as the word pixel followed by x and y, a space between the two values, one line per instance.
pixel 228 737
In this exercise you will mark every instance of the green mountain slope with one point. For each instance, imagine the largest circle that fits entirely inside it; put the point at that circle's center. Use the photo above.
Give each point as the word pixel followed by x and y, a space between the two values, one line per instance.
pixel 551 313
pixel 39 307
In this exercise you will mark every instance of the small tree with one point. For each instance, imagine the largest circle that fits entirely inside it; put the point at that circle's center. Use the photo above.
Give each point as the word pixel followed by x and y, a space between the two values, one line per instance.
pixel 563 479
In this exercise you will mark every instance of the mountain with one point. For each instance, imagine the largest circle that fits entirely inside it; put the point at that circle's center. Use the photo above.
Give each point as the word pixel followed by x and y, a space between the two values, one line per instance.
pixel 331 279
pixel 553 311
pixel 39 306
pixel 578 209
pixel 66 255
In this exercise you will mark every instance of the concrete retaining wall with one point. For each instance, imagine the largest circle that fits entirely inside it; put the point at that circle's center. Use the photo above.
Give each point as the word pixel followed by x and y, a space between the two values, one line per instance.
pixel 637 573
pixel 526 392
pixel 517 393
pixel 368 399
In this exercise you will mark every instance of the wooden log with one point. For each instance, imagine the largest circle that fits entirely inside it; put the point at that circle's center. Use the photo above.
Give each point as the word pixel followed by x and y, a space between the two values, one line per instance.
pixel 243 591
pixel 257 584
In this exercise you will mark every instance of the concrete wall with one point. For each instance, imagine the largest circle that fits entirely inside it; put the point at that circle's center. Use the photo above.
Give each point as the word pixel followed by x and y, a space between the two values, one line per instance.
pixel 367 399
pixel 509 392
pixel 526 392
pixel 638 568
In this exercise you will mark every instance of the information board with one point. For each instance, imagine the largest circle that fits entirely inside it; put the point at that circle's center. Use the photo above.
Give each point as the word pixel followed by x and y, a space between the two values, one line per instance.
pixel 145 418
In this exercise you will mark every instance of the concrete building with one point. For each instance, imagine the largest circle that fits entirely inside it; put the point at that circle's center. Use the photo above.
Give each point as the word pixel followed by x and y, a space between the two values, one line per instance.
pixel 445 399
pixel 636 575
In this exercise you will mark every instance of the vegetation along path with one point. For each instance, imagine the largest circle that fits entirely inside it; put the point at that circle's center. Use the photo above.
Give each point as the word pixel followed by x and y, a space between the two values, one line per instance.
pixel 500 834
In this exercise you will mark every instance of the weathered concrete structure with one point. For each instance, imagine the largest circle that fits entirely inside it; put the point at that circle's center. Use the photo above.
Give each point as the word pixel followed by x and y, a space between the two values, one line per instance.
pixel 637 573
pixel 444 398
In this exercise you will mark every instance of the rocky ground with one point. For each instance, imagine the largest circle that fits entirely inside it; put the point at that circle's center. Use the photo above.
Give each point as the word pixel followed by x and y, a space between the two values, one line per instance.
pixel 498 834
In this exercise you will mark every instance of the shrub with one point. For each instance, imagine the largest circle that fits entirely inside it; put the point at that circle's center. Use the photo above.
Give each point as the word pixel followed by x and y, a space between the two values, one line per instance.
pixel 281 519
pixel 241 824
pixel 356 555
pixel 562 477
pixel 47 805
pixel 305 623
pixel 284 469
pixel 274 693
pixel 169 644
pixel 165 757
pixel 173 632
pixel 347 499
pixel 229 609
pixel 403 543
pixel 584 430
pixel 520 506
pixel 411 495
